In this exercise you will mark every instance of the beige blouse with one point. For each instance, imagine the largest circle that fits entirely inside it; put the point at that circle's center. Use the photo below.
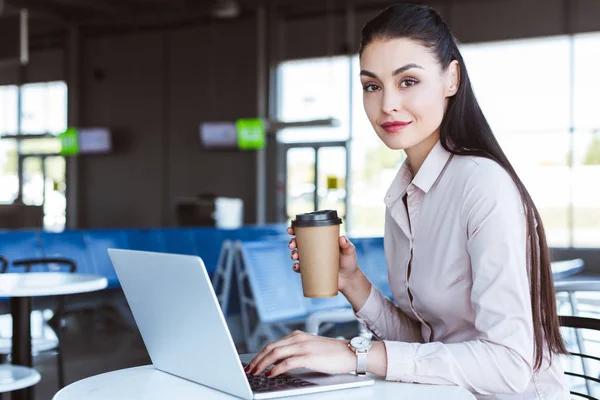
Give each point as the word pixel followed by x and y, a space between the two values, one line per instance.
pixel 456 255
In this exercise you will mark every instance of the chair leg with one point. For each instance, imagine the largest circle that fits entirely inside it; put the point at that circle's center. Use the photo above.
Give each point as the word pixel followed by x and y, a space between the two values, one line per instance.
pixel 60 367
pixel 580 344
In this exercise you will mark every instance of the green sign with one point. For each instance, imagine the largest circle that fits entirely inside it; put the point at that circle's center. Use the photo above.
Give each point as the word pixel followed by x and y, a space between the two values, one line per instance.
pixel 250 133
pixel 69 142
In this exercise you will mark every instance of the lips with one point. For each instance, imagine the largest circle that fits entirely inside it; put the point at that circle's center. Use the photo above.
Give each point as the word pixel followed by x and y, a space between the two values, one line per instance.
pixel 395 126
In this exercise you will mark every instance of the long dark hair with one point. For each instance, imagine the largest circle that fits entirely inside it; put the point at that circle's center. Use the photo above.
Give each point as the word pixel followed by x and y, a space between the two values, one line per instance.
pixel 465 131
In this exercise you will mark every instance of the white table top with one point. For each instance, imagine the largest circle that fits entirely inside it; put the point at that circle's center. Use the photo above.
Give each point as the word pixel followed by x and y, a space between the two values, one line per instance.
pixel 148 383
pixel 48 284
pixel 15 377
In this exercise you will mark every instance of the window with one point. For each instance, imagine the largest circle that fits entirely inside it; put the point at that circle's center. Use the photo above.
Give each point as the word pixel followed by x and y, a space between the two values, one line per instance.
pixel 44 108
pixel 9 180
pixel 310 90
pixel 540 97
pixel 526 103
pixel 586 141
pixel 524 88
pixel 43 111
pixel 8 110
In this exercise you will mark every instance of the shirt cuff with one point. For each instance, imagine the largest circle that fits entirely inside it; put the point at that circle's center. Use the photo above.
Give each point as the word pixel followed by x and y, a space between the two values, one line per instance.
pixel 373 307
pixel 401 361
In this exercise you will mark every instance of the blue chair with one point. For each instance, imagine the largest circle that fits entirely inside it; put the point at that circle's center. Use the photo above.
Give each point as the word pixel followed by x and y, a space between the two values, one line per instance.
pixel 20 245
pixel 373 263
pixel 371 259
pixel 52 252
pixel 259 232
pixel 147 240
pixel 207 244
pixel 272 291
pixel 179 241
pixel 67 245
pixel 276 288
pixel 97 243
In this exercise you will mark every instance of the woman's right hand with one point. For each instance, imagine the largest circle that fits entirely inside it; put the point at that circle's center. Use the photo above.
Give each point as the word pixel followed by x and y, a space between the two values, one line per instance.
pixel 348 259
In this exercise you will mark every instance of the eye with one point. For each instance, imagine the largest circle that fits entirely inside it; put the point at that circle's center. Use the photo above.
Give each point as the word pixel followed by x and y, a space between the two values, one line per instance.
pixel 370 87
pixel 408 82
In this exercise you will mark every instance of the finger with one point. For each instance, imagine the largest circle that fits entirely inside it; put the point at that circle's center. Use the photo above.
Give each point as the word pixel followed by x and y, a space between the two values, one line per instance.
pixel 301 361
pixel 291 230
pixel 344 242
pixel 269 347
pixel 296 267
pixel 261 354
pixel 346 245
pixel 279 355
pixel 295 255
pixel 292 244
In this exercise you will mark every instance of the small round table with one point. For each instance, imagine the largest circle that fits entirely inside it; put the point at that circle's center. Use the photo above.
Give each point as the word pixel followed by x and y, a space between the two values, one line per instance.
pixel 148 383
pixel 21 288
pixel 15 377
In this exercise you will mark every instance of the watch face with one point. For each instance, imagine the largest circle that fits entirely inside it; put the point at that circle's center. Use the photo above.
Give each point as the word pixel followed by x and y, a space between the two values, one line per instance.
pixel 360 343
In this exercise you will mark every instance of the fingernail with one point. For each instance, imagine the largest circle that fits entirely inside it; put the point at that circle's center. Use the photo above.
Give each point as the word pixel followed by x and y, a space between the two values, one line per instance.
pixel 254 371
pixel 268 374
pixel 247 369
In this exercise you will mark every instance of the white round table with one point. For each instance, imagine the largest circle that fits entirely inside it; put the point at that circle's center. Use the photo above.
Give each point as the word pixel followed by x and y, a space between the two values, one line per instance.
pixel 21 288
pixel 15 377
pixel 148 383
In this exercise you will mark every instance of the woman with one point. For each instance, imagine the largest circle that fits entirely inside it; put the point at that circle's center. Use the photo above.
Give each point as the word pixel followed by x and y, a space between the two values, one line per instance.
pixel 466 251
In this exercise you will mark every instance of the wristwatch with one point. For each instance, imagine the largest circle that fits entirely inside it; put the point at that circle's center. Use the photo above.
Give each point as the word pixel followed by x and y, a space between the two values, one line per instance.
pixel 361 346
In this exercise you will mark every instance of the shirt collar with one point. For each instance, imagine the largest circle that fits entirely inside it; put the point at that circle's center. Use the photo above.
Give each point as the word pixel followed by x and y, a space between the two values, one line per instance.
pixel 428 174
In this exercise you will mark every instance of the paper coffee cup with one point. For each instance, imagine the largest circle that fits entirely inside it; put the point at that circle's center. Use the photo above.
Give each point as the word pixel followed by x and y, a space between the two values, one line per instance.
pixel 317 238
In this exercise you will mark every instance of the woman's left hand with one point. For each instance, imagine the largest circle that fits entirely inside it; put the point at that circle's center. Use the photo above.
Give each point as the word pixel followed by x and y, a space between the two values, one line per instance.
pixel 303 350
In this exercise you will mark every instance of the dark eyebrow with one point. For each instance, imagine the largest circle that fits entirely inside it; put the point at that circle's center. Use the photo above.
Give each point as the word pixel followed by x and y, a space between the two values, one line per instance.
pixel 406 68
pixel 367 73
pixel 396 72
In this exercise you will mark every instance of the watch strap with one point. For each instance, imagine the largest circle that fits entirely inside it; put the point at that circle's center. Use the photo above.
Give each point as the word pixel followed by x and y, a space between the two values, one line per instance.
pixel 361 362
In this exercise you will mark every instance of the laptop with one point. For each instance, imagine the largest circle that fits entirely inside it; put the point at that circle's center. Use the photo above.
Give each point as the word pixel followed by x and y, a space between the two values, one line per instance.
pixel 180 320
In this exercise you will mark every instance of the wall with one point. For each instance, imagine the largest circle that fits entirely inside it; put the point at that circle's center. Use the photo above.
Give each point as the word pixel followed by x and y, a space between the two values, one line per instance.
pixel 154 89
pixel 44 65
pixel 123 82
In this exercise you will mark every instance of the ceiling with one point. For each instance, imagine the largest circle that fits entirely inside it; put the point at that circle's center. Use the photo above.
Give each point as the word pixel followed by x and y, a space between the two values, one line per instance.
pixel 51 18
pixel 48 16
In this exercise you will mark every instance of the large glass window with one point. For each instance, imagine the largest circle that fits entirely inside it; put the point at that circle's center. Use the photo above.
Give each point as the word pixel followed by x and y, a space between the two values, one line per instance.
pixel 43 111
pixel 8 110
pixel 44 108
pixel 9 179
pixel 523 89
pixel 586 141
pixel 540 97
pixel 312 90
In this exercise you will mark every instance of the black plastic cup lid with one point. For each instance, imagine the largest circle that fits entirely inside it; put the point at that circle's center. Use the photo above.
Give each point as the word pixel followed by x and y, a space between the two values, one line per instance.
pixel 317 218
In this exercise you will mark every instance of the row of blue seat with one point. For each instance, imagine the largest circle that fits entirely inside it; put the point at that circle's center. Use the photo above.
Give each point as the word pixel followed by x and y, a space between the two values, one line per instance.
pixel 87 248
pixel 277 288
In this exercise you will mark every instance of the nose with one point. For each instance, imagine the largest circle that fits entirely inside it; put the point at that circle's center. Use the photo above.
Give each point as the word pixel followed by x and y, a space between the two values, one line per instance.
pixel 391 102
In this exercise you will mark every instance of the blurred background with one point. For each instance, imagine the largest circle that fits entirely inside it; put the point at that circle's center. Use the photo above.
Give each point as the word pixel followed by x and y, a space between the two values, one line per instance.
pixel 123 114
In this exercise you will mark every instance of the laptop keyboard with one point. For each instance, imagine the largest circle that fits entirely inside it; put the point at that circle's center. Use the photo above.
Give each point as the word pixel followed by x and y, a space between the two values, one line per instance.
pixel 261 383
